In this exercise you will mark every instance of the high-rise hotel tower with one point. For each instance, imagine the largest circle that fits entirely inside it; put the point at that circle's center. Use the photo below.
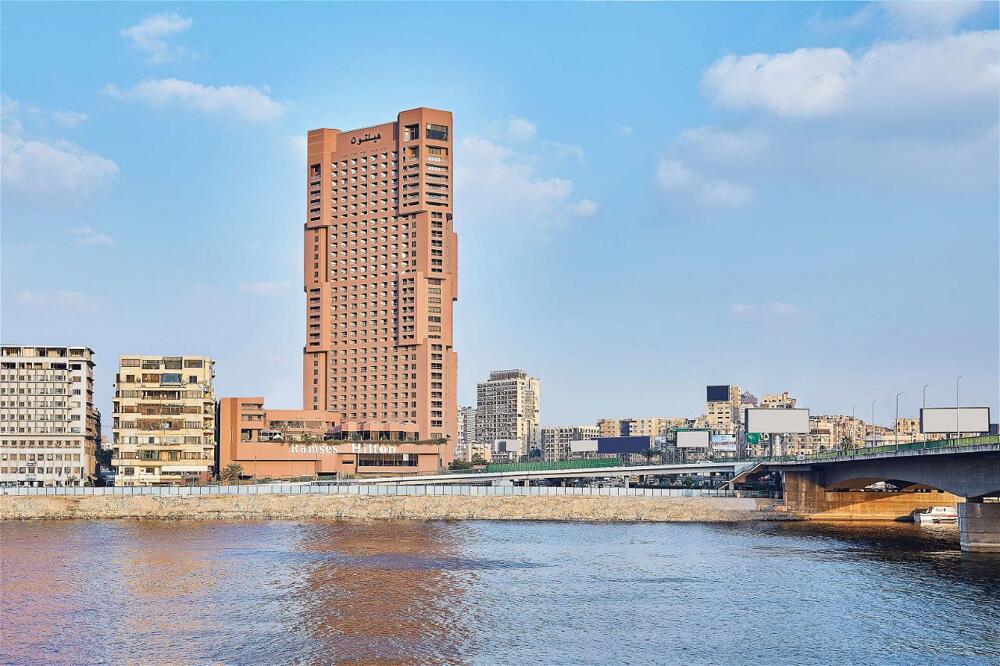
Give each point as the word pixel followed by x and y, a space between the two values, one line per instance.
pixel 380 277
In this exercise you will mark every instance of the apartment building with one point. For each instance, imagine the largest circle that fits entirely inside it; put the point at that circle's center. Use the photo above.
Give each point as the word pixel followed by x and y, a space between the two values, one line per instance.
pixel 380 277
pixel 164 420
pixel 466 432
pixel 777 401
pixel 722 408
pixel 611 428
pixel 555 440
pixel 48 424
pixel 508 407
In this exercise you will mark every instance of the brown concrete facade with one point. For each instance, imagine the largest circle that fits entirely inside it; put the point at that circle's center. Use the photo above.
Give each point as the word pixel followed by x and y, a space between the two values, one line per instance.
pixel 380 276
pixel 292 443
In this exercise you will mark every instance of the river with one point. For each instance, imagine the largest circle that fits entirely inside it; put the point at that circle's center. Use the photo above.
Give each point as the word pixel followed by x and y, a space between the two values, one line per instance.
pixel 493 593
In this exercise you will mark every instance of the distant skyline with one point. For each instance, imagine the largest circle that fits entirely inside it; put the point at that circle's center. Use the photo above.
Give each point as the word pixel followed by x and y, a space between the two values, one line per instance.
pixel 650 198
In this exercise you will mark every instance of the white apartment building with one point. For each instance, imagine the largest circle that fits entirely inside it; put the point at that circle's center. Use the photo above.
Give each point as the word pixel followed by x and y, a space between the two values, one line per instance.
pixel 48 425
pixel 164 420
pixel 466 432
pixel 508 406
pixel 555 440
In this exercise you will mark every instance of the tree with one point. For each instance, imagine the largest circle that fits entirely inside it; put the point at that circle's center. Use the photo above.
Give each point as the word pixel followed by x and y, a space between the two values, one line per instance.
pixel 459 464
pixel 648 454
pixel 478 460
pixel 71 480
pixel 232 473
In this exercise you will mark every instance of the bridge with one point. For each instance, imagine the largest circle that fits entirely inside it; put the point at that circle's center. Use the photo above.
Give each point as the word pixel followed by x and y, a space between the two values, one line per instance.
pixel 959 472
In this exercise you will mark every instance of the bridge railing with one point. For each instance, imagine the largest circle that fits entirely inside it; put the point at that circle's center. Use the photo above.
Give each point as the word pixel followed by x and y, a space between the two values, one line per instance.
pixel 979 440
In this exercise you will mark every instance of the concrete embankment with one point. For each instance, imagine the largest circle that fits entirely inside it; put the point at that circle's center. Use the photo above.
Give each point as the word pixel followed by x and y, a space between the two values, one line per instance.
pixel 352 507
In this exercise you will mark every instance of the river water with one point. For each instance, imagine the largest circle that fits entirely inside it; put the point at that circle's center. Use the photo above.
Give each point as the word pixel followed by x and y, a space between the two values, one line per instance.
pixel 494 593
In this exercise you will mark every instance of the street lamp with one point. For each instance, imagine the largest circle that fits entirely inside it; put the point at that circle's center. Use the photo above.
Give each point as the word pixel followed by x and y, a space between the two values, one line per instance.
pixel 924 405
pixel 895 426
pixel 958 421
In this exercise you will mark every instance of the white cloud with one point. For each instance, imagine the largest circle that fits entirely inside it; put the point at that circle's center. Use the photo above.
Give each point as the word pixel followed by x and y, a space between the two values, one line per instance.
pixel 246 102
pixel 89 236
pixel 266 288
pixel 921 18
pixel 565 150
pixel 149 36
pixel 493 181
pixel 688 186
pixel 625 130
pixel 69 119
pixel 57 172
pixel 890 79
pixel 916 115
pixel 61 298
pixel 499 184
pixel 583 208
pixel 774 308
pixel 520 129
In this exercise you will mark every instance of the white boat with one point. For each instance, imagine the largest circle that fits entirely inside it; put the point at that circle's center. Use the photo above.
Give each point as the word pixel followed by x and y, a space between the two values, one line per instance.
pixel 937 514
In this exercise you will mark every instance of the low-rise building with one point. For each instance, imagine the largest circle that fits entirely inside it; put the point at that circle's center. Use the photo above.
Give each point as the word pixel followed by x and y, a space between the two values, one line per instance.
pixel 48 424
pixel 293 443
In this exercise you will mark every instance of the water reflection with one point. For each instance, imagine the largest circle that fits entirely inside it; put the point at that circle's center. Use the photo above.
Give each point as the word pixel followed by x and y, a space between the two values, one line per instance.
pixel 477 592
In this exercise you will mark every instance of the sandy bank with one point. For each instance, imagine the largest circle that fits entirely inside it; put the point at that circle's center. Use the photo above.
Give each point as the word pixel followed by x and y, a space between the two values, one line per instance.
pixel 352 507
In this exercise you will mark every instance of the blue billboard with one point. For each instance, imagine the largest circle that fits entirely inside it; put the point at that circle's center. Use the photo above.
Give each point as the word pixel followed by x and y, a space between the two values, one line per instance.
pixel 622 444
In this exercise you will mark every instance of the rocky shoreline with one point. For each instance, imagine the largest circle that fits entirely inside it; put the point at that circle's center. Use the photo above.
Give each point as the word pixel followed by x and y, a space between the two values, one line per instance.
pixel 354 507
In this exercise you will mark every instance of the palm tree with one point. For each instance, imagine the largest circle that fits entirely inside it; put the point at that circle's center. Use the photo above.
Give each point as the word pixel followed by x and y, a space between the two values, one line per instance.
pixel 232 473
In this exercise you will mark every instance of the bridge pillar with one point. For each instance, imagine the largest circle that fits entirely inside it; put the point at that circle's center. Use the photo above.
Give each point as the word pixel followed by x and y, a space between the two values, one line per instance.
pixel 979 527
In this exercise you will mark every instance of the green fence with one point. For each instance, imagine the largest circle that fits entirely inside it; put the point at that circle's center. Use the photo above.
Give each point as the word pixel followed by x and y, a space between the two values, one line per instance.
pixel 552 465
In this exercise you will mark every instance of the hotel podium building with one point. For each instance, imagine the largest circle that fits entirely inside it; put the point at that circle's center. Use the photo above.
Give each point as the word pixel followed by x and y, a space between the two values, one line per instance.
pixel 48 424
pixel 164 420
pixel 380 277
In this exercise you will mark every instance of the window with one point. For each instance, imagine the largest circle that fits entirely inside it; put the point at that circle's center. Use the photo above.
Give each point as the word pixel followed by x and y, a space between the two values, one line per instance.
pixel 439 132
pixel 412 132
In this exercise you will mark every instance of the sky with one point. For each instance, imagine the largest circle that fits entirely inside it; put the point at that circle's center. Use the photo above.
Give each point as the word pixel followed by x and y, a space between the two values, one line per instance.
pixel 650 197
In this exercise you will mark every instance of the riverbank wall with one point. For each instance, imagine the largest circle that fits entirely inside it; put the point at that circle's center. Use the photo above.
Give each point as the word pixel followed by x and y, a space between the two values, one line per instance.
pixel 375 507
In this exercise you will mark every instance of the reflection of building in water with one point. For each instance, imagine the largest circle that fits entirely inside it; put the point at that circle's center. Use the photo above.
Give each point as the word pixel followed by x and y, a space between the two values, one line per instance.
pixel 392 587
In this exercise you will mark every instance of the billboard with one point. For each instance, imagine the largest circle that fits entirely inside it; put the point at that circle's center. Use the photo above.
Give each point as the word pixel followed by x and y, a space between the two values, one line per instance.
pixel 622 444
pixel 954 419
pixel 692 439
pixel 780 421
pixel 507 446
pixel 583 446
pixel 724 448
pixel 723 439
pixel 717 394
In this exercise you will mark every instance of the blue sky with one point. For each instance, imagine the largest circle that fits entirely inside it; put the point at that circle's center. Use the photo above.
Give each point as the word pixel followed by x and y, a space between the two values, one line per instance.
pixel 651 197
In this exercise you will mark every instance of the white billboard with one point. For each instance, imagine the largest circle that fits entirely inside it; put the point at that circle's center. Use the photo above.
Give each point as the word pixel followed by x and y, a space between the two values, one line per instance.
pixel 507 446
pixel 724 448
pixel 955 419
pixel 583 446
pixel 692 439
pixel 723 439
pixel 780 421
